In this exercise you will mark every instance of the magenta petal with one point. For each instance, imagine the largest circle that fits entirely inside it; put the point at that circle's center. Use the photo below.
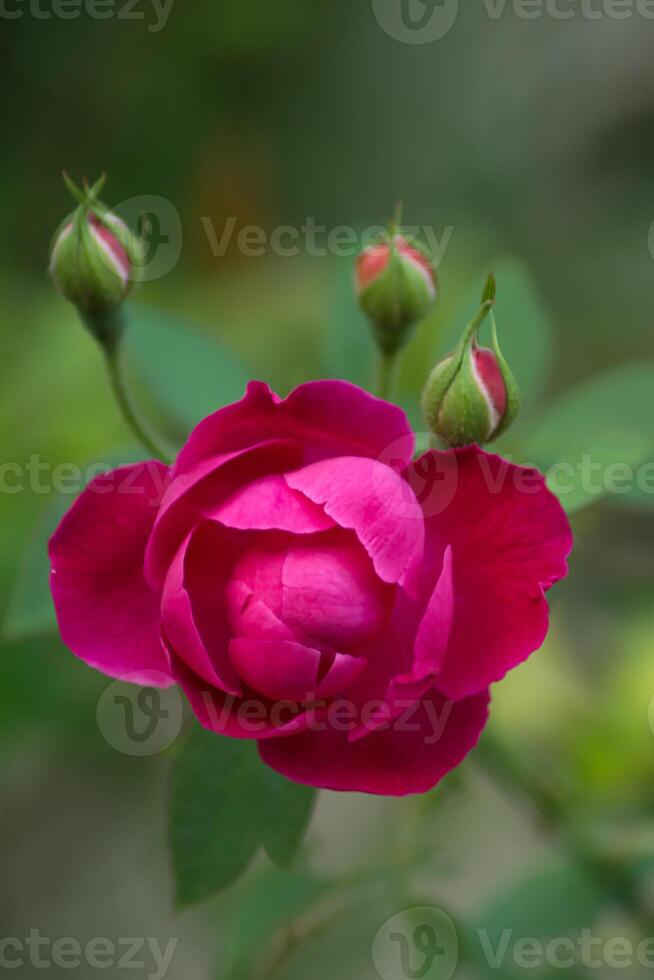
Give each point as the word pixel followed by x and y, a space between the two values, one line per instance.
pixel 248 717
pixel 374 501
pixel 328 417
pixel 183 634
pixel 411 756
pixel 351 422
pixel 400 697
pixel 107 614
pixel 510 539
pixel 270 504
pixel 231 429
pixel 344 671
pixel 278 669
pixel 203 487
pixel 436 624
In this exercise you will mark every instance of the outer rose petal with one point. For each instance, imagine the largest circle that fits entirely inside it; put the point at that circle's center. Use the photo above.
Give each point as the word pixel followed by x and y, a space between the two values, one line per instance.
pixel 330 418
pixel 371 499
pixel 107 614
pixel 510 539
pixel 394 762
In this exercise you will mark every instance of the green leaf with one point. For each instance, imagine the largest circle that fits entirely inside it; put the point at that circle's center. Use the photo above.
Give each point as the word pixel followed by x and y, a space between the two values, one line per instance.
pixel 273 899
pixel 550 903
pixel 288 810
pixel 225 805
pixel 591 440
pixel 523 327
pixel 215 813
pixel 189 374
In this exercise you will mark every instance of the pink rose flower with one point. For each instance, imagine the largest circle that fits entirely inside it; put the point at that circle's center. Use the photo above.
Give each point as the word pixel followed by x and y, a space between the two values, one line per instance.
pixel 311 586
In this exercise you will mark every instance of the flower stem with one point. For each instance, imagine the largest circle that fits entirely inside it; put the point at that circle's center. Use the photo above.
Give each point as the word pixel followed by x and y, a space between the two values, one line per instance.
pixel 130 414
pixel 386 371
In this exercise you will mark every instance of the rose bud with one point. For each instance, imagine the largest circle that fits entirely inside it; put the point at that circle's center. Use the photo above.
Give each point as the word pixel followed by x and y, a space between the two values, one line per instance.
pixel 396 286
pixel 471 395
pixel 94 258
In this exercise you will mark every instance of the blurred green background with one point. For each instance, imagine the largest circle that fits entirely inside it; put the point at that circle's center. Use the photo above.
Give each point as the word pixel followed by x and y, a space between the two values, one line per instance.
pixel 532 141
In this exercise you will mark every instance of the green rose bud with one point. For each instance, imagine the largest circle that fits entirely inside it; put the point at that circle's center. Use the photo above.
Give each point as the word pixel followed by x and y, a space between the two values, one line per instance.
pixel 94 260
pixel 471 395
pixel 396 286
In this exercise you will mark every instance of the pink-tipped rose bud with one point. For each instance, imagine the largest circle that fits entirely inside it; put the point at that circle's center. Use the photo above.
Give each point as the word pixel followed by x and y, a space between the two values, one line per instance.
pixel 94 257
pixel 396 286
pixel 471 395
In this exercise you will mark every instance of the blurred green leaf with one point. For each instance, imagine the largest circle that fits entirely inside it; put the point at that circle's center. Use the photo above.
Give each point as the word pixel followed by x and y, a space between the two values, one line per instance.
pixel 215 813
pixel 272 901
pixel 188 373
pixel 30 609
pixel 288 810
pixel 552 903
pixel 523 327
pixel 641 495
pixel 591 439
pixel 225 805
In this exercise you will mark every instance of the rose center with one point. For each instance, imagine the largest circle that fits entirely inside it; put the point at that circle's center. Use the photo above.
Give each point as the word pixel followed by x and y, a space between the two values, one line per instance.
pixel 322 591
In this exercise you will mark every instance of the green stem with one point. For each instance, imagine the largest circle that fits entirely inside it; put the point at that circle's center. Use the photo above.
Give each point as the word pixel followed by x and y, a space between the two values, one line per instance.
pixel 130 414
pixel 386 373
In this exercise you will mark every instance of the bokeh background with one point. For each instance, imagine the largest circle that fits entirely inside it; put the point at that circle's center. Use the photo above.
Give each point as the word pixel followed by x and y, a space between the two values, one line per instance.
pixel 532 141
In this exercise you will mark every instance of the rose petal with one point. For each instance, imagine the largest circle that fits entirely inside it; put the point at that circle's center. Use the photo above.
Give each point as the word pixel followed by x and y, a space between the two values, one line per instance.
pixel 252 716
pixel 107 614
pixel 510 539
pixel 270 504
pixel 278 669
pixel 374 501
pixel 436 624
pixel 204 576
pixel 203 487
pixel 410 757
pixel 328 417
pixel 344 672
